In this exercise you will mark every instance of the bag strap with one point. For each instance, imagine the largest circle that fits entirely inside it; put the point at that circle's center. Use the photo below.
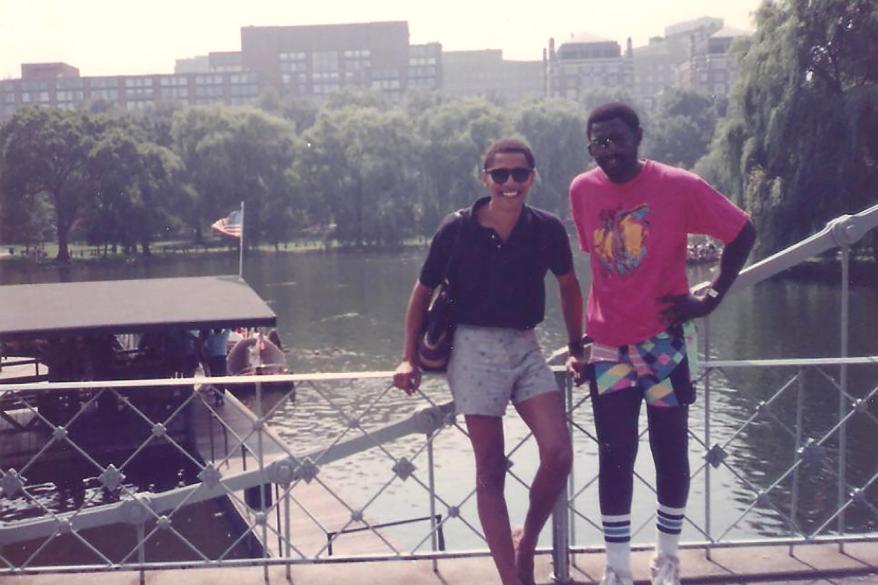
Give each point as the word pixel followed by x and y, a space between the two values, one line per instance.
pixel 461 218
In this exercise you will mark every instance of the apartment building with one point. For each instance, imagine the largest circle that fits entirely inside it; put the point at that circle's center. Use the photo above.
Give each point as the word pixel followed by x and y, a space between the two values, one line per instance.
pixel 586 62
pixel 321 59
pixel 65 88
pixel 711 67
pixel 313 61
pixel 485 73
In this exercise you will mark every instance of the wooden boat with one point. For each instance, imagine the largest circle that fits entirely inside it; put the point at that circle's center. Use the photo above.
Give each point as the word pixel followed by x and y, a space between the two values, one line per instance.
pixel 257 355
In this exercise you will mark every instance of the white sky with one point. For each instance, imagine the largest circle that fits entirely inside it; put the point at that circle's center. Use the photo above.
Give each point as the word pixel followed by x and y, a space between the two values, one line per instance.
pixel 114 37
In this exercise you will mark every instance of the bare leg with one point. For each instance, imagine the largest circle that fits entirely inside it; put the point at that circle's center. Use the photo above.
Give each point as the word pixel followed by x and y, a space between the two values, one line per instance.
pixel 486 436
pixel 545 416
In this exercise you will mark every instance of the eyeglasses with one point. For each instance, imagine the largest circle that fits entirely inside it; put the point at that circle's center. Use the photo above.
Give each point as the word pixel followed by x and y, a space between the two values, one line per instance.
pixel 604 143
pixel 500 176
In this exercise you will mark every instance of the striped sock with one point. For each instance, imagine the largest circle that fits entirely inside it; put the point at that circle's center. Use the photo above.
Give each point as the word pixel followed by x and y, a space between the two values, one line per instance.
pixel 617 538
pixel 669 524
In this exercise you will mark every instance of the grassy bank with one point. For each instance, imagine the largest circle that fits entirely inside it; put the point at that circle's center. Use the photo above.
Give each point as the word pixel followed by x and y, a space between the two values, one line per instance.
pixel 84 253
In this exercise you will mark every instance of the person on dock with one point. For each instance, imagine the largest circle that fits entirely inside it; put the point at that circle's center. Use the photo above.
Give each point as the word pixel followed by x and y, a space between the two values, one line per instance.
pixel 214 348
pixel 632 217
pixel 499 297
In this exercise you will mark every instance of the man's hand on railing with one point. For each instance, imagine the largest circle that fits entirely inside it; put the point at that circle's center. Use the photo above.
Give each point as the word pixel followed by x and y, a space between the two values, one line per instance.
pixel 576 363
pixel 576 366
pixel 407 377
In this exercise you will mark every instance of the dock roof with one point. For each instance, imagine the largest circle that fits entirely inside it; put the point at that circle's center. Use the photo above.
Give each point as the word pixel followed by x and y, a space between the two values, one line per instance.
pixel 130 306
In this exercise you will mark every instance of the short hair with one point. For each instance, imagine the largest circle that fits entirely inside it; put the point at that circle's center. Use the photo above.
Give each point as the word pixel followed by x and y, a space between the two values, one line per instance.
pixel 610 111
pixel 509 145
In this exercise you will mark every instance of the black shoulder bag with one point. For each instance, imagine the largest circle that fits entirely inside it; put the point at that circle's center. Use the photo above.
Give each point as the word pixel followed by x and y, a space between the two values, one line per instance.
pixel 435 341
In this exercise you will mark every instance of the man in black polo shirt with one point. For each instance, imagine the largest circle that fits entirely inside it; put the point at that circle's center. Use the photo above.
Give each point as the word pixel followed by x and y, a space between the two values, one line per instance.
pixel 497 254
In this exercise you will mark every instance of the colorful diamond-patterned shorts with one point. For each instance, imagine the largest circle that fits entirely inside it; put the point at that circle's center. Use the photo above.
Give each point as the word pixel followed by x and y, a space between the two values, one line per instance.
pixel 658 367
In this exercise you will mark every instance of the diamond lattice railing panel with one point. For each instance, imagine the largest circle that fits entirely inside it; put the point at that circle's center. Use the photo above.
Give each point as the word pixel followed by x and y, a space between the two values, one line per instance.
pixel 348 466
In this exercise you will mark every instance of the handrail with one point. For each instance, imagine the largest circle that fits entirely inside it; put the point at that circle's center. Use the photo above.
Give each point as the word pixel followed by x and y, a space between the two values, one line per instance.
pixel 843 231
pixel 142 507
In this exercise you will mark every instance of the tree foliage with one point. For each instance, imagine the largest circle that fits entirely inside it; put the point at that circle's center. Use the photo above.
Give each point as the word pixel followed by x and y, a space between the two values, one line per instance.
pixel 44 151
pixel 680 131
pixel 799 144
pixel 555 130
pixel 796 144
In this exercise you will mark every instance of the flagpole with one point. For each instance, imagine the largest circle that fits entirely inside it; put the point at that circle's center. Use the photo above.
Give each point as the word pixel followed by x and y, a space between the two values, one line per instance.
pixel 241 246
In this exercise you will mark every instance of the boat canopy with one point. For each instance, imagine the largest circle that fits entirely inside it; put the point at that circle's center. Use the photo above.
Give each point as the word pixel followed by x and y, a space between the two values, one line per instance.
pixel 130 306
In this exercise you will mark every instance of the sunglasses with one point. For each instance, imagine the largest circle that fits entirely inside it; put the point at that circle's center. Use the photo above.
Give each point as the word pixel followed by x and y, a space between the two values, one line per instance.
pixel 500 176
pixel 605 143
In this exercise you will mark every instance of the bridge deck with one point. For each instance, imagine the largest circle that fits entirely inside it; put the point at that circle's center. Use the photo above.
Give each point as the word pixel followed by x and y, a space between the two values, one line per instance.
pixel 812 564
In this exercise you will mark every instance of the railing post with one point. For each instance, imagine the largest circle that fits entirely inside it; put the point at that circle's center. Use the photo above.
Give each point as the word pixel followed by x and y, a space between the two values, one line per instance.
pixel 570 496
pixel 431 478
pixel 843 382
pixel 707 527
pixel 288 532
pixel 260 458
pixel 800 410
pixel 561 523
pixel 561 541
pixel 141 552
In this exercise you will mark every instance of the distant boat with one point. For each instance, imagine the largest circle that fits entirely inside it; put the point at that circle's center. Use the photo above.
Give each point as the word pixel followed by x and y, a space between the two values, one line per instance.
pixel 703 253
pixel 257 355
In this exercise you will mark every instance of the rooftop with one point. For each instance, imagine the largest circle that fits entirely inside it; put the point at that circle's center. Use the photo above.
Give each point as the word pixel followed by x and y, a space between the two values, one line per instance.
pixel 117 306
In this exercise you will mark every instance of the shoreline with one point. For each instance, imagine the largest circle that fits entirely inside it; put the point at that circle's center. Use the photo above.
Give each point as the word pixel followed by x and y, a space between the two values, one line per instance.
pixel 862 270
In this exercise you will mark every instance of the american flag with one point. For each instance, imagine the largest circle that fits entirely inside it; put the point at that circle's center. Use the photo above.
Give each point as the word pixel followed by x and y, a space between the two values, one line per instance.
pixel 231 226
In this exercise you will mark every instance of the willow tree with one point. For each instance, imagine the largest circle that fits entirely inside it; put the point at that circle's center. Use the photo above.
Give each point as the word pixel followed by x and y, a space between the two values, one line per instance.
pixel 555 130
pixel 800 144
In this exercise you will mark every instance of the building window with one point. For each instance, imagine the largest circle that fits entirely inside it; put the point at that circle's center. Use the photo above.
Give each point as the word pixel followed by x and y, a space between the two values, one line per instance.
pixel 69 96
pixel 324 61
pixel 175 92
pixel 138 82
pixel 292 56
pixel 34 85
pixel 103 82
pixel 172 81
pixel 107 94
pixel 208 79
pixel 357 54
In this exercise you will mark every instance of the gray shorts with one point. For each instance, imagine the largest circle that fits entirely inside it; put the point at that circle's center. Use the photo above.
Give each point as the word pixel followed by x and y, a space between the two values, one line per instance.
pixel 492 365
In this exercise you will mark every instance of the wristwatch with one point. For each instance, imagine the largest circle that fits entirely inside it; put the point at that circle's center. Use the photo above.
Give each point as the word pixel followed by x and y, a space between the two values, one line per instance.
pixel 577 346
pixel 711 292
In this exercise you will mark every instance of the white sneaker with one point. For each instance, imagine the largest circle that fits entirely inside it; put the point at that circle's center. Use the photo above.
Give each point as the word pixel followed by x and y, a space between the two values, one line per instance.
pixel 612 577
pixel 665 570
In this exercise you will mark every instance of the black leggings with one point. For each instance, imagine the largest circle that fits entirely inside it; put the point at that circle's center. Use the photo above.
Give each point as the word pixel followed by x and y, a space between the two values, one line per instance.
pixel 616 416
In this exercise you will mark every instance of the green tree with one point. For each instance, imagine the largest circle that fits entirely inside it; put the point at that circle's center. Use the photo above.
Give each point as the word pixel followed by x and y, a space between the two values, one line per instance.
pixel 800 143
pixel 134 187
pixel 232 155
pixel 45 151
pixel 360 165
pixel 454 135
pixel 555 130
pixel 681 129
pixel 602 95
pixel 25 220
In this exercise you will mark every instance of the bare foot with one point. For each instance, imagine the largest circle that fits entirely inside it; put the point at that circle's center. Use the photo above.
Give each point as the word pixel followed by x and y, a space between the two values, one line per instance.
pixel 524 558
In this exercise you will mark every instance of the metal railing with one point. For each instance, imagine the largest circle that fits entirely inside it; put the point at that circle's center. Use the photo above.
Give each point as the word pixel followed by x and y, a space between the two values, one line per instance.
pixel 349 454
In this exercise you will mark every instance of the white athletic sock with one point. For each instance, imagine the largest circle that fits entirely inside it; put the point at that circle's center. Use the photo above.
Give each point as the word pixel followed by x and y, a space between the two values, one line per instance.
pixel 669 524
pixel 617 538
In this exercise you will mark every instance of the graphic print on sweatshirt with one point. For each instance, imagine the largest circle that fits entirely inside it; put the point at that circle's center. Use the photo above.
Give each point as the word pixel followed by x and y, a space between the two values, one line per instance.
pixel 620 243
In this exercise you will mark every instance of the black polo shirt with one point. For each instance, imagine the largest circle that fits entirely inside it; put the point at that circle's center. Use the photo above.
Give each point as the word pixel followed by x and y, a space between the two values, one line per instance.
pixel 496 283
